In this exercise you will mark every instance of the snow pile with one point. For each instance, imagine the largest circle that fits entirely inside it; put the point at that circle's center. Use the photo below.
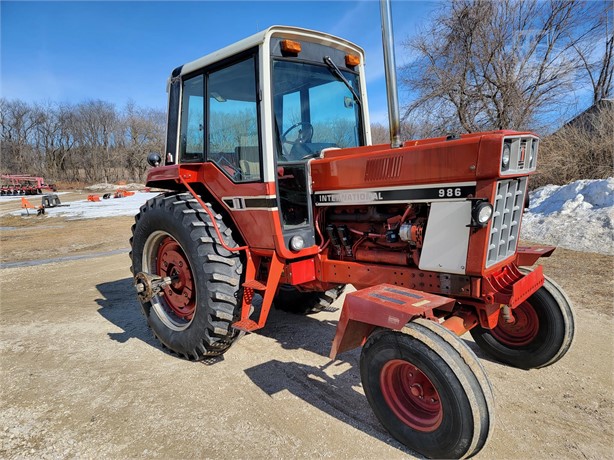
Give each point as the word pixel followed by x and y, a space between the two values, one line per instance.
pixel 103 187
pixel 112 207
pixel 576 216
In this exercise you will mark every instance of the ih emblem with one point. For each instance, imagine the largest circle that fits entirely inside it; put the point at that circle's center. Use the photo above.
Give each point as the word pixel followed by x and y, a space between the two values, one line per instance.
pixel 523 151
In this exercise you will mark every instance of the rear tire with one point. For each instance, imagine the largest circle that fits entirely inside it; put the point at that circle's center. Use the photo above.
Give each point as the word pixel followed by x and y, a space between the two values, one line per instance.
pixel 428 389
pixel 543 332
pixel 290 299
pixel 173 236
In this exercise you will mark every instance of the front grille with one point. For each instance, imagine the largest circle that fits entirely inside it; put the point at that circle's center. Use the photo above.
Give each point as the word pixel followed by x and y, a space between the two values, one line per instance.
pixel 523 154
pixel 505 225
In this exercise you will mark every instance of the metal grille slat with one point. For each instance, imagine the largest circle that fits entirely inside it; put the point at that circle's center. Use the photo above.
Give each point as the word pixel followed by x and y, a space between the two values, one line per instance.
pixel 505 224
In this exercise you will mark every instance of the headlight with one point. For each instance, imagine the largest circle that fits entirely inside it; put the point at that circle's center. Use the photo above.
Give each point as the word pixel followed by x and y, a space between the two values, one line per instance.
pixel 505 157
pixel 297 243
pixel 481 213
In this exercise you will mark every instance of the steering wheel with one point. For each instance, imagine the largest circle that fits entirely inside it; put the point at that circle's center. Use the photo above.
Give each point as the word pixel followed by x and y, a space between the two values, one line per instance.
pixel 304 135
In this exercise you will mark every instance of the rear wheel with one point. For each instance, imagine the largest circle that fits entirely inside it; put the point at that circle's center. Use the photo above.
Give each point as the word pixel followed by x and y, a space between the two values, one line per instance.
pixel 428 389
pixel 173 237
pixel 541 334
pixel 290 299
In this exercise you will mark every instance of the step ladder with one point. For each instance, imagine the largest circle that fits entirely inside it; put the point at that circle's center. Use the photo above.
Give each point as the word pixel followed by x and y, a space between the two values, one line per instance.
pixel 251 286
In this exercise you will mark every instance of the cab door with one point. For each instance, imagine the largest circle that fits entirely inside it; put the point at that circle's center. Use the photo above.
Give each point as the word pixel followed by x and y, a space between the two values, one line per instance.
pixel 293 177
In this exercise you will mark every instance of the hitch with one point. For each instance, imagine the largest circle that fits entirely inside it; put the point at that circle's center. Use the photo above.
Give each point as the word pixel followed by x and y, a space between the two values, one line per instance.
pixel 148 285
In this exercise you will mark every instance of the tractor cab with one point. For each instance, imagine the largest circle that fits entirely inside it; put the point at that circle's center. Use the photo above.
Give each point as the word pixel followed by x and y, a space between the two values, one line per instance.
pixel 258 111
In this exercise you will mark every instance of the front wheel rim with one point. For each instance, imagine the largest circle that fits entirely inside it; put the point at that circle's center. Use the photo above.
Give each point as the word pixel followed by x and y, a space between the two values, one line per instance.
pixel 522 331
pixel 411 395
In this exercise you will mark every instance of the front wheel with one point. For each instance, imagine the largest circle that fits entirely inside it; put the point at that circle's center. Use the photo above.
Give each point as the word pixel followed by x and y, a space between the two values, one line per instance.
pixel 174 237
pixel 541 334
pixel 428 390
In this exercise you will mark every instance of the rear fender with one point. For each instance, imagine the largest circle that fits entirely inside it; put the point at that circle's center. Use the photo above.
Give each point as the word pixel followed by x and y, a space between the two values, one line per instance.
pixel 384 305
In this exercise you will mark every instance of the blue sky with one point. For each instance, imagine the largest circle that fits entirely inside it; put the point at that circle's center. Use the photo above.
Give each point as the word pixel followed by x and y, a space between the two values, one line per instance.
pixel 117 51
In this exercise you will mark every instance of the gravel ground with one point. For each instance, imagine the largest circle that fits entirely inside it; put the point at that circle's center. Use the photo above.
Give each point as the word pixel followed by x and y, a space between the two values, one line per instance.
pixel 83 377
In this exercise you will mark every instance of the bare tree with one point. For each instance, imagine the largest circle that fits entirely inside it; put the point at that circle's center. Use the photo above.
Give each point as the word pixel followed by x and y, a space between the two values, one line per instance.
pixel 143 131
pixel 18 122
pixel 95 126
pixel 582 149
pixel 380 134
pixel 599 65
pixel 498 65
pixel 90 141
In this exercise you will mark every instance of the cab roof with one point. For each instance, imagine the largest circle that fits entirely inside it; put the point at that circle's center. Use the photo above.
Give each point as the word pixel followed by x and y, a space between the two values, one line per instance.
pixel 264 36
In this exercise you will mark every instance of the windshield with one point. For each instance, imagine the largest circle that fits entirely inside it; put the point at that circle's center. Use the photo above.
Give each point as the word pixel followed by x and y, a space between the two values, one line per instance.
pixel 314 110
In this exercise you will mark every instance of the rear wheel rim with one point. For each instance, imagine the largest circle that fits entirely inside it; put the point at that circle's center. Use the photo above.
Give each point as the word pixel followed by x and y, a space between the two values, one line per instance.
pixel 411 395
pixel 172 262
pixel 176 304
pixel 522 331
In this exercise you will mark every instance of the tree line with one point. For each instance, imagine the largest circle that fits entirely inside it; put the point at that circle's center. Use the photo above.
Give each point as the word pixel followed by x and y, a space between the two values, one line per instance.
pixel 476 65
pixel 91 141
pixel 508 64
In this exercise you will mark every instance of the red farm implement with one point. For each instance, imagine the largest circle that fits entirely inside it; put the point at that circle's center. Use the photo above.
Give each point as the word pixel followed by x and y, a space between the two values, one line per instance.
pixel 20 184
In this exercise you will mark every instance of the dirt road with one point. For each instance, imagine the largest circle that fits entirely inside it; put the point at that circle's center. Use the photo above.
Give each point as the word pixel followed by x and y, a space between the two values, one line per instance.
pixel 82 376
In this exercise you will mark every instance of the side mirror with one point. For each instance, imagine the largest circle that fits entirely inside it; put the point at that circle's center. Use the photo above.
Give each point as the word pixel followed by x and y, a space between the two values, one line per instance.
pixel 154 159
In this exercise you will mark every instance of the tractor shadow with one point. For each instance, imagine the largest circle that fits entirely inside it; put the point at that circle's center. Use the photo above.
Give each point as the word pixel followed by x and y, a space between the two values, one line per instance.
pixel 336 396
pixel 333 388
pixel 482 356
pixel 478 351
pixel 119 306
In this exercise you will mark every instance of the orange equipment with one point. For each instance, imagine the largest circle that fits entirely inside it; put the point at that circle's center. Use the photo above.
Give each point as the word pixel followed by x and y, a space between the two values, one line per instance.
pixel 122 193
pixel 25 204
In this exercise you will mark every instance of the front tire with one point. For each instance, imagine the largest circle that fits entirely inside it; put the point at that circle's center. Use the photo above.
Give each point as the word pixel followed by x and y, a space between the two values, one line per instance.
pixel 428 390
pixel 542 333
pixel 173 236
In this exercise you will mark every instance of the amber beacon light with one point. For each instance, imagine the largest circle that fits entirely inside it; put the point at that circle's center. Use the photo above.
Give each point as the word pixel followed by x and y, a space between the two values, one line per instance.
pixel 351 60
pixel 290 46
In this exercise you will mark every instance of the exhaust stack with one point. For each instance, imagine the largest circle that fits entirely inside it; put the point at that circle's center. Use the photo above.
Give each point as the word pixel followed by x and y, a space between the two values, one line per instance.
pixel 391 74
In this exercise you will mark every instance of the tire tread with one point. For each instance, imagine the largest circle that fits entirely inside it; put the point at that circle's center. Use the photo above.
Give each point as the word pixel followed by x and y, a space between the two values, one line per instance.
pixel 223 271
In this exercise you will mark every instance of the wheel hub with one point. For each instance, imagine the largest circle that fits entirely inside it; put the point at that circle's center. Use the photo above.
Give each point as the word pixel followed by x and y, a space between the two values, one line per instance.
pixel 411 395
pixel 522 331
pixel 179 294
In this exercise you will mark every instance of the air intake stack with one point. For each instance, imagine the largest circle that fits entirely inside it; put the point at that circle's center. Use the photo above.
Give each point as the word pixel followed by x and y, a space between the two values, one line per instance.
pixel 391 74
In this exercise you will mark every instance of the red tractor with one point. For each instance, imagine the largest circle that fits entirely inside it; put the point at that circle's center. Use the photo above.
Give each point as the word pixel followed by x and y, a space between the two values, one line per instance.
pixel 274 189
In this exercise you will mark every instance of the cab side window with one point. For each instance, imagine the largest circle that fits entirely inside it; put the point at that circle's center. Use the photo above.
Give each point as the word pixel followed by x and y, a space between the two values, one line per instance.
pixel 233 134
pixel 192 146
